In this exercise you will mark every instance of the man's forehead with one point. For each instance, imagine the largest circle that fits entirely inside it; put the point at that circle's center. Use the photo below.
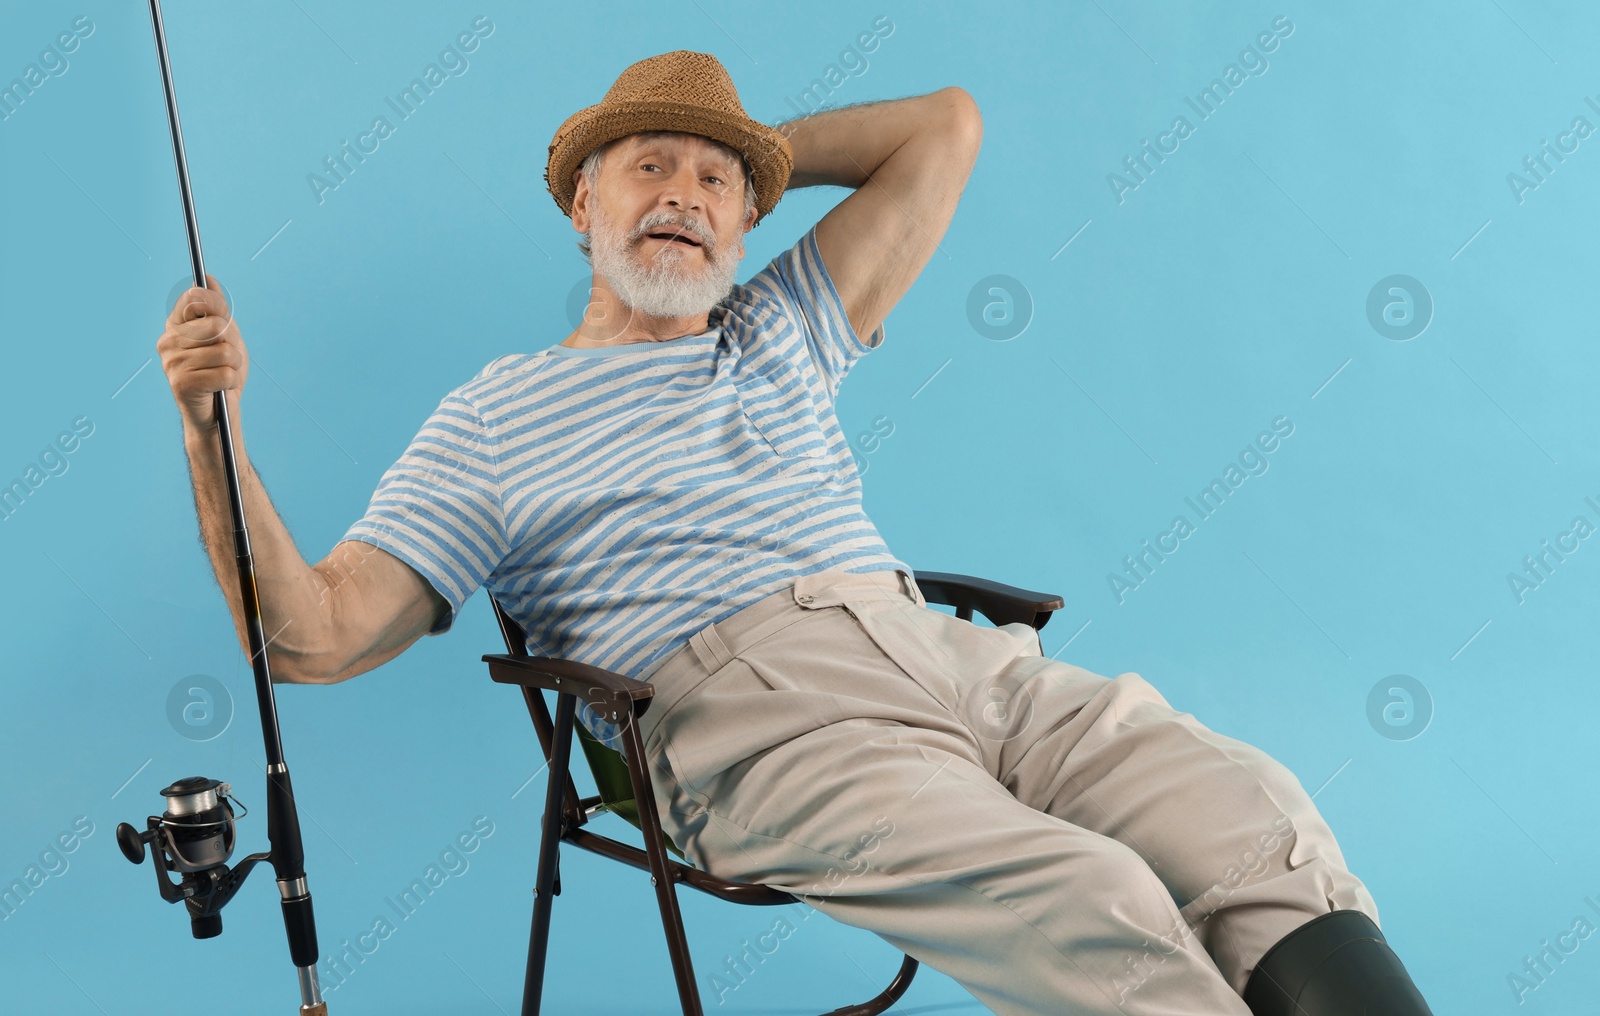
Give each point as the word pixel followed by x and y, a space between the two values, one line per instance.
pixel 680 140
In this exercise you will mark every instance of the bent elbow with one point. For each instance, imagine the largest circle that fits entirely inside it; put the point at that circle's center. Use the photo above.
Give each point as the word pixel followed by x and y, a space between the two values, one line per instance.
pixel 292 670
pixel 964 113
pixel 284 675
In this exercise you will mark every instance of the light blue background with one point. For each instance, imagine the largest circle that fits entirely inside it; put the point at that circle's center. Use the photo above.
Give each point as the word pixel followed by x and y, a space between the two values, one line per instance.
pixel 1224 292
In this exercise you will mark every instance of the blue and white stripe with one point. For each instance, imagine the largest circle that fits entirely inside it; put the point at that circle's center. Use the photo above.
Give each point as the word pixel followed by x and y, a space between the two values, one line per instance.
pixel 615 500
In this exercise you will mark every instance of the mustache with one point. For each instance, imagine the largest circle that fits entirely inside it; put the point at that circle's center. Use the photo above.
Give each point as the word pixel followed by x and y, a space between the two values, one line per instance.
pixel 656 223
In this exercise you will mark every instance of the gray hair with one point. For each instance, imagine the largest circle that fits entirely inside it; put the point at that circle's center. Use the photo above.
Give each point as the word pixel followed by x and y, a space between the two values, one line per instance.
pixel 591 170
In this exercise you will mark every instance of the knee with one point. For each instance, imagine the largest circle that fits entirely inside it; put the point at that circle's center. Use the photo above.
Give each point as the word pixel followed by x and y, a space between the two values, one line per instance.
pixel 1114 880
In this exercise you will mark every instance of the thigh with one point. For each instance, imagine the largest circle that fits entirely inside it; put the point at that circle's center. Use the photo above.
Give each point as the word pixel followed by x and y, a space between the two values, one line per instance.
pixel 1196 804
pixel 879 826
pixel 814 762
pixel 1228 829
pixel 1108 755
pixel 782 762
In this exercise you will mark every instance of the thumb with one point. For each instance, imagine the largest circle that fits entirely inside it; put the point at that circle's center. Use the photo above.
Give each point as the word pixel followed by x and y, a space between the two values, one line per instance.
pixel 222 297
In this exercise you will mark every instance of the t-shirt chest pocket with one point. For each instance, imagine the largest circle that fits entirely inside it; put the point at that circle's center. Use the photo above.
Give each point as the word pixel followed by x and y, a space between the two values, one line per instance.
pixel 786 418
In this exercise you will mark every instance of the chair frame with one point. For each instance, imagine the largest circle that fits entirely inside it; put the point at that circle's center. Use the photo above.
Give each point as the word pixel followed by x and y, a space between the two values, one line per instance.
pixel 614 695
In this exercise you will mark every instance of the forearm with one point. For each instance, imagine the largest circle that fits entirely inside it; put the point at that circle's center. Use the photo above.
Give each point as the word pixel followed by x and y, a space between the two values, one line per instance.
pixel 293 597
pixel 842 147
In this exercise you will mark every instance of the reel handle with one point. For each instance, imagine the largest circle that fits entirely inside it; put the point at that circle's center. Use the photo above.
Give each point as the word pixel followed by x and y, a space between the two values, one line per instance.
pixel 132 842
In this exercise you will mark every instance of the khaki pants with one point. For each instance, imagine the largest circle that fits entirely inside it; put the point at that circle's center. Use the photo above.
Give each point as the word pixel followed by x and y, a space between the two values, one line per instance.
pixel 1054 840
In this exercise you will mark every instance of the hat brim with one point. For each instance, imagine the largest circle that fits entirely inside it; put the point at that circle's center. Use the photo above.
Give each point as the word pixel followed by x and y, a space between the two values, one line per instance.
pixel 767 149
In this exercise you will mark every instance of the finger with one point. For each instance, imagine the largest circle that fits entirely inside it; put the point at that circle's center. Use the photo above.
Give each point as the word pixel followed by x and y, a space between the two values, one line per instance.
pixel 215 379
pixel 217 295
pixel 203 303
pixel 215 356
pixel 192 303
pixel 202 331
pixel 211 326
pixel 196 302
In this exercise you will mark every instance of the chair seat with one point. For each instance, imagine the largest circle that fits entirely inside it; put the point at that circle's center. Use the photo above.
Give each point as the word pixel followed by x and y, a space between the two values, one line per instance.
pixel 610 771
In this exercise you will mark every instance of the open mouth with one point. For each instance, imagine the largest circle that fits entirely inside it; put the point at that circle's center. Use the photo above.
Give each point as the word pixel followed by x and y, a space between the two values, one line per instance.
pixel 673 236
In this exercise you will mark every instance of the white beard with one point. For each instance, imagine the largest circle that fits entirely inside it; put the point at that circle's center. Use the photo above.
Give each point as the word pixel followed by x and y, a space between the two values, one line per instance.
pixel 671 281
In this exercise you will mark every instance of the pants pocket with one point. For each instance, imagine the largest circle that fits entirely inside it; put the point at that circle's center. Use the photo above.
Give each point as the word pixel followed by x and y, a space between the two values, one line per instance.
pixel 893 626
pixel 717 724
pixel 971 670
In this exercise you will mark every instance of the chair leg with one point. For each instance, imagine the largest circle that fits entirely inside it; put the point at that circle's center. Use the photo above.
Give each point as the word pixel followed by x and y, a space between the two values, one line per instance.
pixel 885 998
pixel 547 880
pixel 666 889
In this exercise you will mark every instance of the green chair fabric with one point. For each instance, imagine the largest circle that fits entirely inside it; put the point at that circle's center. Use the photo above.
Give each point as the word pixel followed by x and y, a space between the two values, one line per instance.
pixel 611 780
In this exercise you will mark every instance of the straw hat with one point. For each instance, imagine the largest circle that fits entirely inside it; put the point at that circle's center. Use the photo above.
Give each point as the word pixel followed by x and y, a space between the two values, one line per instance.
pixel 678 91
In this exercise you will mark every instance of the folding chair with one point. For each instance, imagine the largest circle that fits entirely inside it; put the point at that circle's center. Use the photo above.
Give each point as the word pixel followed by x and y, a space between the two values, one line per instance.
pixel 623 781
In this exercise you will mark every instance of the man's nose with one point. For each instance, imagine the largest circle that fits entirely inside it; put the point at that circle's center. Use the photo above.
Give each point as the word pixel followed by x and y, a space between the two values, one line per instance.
pixel 680 191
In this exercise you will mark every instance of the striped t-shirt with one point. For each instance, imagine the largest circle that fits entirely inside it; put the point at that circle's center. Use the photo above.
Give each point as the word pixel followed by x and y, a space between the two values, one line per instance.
pixel 615 500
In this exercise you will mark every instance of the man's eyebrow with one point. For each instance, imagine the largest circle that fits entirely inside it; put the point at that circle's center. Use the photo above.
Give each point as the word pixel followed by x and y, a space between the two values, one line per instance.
pixel 656 148
pixel 728 163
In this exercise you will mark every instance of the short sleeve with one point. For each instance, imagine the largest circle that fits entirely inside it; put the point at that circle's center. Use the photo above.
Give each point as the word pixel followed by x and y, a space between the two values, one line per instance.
pixel 801 283
pixel 439 507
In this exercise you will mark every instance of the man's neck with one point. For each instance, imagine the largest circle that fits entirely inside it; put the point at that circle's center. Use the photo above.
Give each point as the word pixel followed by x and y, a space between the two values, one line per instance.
pixel 576 341
pixel 640 328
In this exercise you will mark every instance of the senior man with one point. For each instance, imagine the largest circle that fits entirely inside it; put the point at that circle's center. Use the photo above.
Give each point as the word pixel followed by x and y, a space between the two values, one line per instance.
pixel 666 493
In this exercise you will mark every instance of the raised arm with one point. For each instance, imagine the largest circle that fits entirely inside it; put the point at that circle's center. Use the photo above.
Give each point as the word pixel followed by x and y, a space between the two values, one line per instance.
pixel 352 611
pixel 908 161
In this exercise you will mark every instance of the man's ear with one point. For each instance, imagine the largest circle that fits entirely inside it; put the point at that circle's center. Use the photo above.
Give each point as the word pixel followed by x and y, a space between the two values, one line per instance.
pixel 580 201
pixel 748 224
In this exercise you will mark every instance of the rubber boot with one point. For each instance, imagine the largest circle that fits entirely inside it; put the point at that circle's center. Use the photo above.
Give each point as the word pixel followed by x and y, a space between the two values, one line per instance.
pixel 1336 964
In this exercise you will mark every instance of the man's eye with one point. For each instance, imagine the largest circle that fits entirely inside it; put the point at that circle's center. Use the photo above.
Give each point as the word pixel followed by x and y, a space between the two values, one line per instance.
pixel 716 178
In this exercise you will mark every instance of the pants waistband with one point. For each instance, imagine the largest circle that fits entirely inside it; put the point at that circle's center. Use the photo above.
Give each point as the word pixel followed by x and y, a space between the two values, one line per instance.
pixel 713 646
pixel 716 644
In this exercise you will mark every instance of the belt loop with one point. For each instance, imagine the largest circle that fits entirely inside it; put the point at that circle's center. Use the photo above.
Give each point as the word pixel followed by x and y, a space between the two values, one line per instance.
pixel 909 586
pixel 805 587
pixel 709 649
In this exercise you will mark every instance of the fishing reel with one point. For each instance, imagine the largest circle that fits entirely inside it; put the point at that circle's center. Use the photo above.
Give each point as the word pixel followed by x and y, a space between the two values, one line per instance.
pixel 194 837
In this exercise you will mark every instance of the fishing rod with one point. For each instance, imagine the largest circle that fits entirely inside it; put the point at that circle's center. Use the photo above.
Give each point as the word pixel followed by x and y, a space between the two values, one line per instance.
pixel 195 835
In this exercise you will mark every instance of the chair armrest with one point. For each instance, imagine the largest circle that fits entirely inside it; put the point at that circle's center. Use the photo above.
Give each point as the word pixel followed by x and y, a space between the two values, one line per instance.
pixel 1000 603
pixel 609 693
